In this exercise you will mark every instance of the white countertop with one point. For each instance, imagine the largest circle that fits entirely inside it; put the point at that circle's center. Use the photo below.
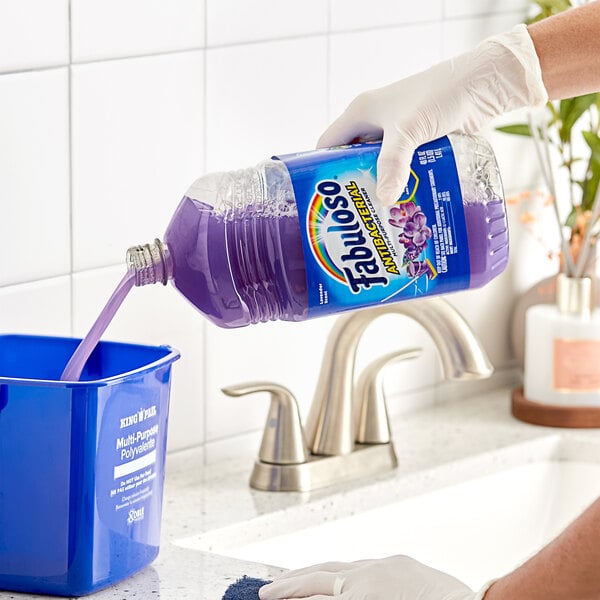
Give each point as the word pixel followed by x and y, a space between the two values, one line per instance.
pixel 436 446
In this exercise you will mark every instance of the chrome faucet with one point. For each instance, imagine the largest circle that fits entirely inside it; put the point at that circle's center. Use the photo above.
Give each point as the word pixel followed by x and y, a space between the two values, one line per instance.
pixel 329 426
pixel 347 429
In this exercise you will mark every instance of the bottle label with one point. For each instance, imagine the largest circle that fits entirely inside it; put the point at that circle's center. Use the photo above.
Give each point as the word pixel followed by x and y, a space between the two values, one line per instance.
pixel 359 253
pixel 576 365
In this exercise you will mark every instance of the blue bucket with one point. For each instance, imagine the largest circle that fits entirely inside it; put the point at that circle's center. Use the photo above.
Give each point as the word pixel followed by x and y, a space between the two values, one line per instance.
pixel 81 463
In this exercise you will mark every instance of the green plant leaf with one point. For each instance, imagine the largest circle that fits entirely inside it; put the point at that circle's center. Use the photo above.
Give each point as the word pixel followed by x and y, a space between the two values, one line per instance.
pixel 516 129
pixel 593 141
pixel 571 218
pixel 553 6
pixel 555 117
pixel 594 184
pixel 557 5
pixel 591 184
pixel 570 110
pixel 548 8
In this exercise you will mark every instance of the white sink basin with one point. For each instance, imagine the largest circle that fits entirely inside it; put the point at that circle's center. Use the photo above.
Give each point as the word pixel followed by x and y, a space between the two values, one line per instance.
pixel 474 530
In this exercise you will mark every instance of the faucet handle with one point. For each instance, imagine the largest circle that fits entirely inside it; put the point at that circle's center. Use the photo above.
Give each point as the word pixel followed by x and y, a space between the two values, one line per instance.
pixel 283 437
pixel 373 424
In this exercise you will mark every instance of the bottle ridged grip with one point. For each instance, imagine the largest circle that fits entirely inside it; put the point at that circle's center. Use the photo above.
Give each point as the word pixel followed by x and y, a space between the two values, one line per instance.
pixel 149 263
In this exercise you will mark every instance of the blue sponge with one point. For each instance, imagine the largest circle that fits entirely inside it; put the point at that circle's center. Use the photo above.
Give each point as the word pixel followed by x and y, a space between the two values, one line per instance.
pixel 245 588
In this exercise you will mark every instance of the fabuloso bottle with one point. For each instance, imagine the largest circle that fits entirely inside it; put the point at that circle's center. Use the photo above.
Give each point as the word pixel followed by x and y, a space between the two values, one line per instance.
pixel 302 235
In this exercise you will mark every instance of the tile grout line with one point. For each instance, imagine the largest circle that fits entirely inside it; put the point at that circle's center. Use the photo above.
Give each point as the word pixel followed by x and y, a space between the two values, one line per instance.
pixel 70 146
pixel 204 343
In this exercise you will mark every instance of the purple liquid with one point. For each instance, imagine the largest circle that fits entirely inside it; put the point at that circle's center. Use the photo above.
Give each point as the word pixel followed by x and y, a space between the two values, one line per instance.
pixel 77 362
pixel 240 269
pixel 487 232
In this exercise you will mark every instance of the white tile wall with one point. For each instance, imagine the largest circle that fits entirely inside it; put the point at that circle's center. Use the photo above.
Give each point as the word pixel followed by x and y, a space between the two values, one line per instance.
pixel 465 8
pixel 137 131
pixel 33 34
pixel 357 14
pixel 262 100
pixel 34 175
pixel 37 308
pixel 460 35
pixel 112 28
pixel 116 115
pixel 369 59
pixel 234 22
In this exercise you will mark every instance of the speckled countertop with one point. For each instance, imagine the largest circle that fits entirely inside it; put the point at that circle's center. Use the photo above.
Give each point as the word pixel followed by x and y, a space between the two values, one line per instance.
pixel 436 446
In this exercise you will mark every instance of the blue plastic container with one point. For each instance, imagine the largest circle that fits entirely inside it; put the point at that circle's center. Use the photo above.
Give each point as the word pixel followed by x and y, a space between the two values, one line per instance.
pixel 81 463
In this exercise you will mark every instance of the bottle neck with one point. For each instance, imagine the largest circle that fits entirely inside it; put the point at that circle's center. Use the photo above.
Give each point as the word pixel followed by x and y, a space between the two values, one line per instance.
pixel 150 263
pixel 574 295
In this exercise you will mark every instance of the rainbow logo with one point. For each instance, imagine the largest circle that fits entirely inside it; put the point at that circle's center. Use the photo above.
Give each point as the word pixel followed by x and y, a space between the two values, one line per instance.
pixel 315 217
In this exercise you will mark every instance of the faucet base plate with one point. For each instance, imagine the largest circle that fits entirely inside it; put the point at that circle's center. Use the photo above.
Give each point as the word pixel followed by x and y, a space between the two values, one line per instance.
pixel 321 471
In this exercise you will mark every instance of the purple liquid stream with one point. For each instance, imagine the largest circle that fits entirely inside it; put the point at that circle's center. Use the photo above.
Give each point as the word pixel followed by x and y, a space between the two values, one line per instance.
pixel 77 362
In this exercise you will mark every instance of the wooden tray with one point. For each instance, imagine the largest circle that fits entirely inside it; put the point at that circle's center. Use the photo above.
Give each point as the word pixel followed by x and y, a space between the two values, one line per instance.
pixel 552 415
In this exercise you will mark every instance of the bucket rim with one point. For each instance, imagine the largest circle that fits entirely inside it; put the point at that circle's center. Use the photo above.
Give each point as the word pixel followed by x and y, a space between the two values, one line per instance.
pixel 170 356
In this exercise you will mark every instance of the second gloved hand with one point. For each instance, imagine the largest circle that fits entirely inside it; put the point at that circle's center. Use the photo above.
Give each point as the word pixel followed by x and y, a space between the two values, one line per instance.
pixel 393 578
pixel 460 94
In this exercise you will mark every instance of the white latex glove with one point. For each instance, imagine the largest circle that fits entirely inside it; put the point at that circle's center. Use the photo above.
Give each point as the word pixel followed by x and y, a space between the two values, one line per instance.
pixel 461 94
pixel 393 578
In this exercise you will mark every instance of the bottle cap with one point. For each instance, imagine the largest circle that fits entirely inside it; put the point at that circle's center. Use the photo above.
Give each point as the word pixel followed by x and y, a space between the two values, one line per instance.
pixel 150 263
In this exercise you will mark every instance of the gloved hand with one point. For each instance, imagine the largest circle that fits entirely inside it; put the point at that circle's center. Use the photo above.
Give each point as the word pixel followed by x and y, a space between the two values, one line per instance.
pixel 393 578
pixel 461 94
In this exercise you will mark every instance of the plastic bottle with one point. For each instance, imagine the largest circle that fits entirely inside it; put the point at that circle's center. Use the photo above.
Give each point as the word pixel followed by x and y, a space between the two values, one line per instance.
pixel 303 235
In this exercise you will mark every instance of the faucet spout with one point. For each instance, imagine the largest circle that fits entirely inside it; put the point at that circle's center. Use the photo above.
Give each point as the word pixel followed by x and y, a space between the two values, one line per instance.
pixel 330 423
